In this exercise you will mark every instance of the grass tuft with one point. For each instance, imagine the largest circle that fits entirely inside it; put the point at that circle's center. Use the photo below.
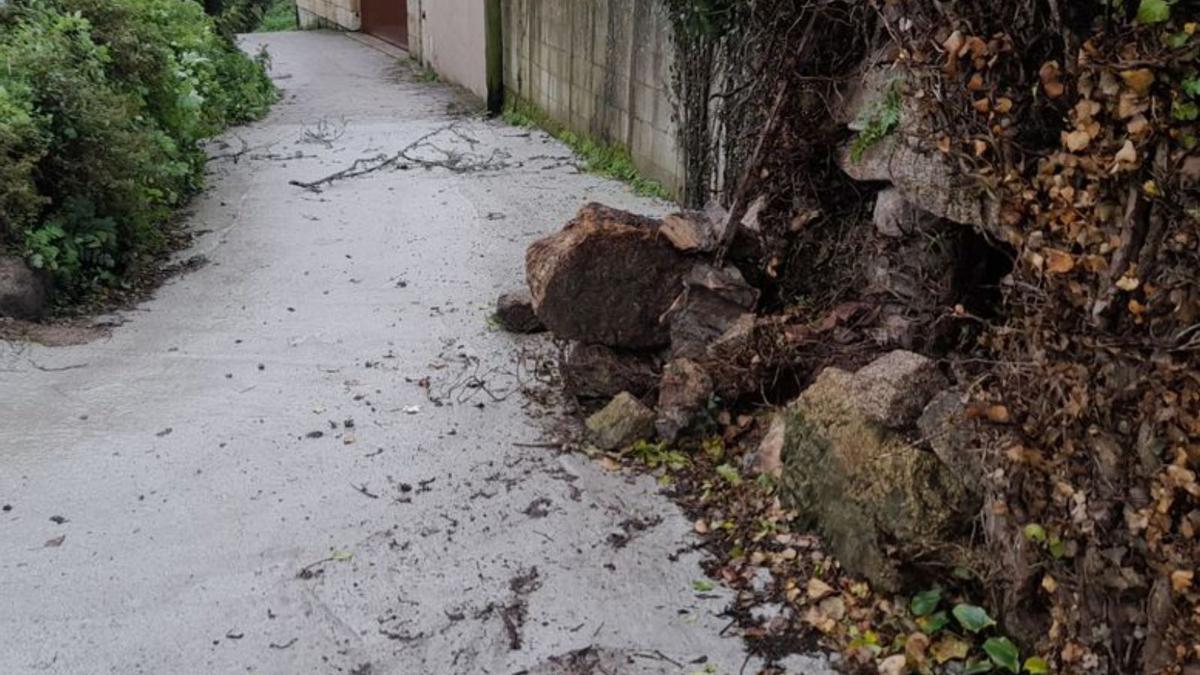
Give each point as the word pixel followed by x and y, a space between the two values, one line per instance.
pixel 606 159
pixel 280 16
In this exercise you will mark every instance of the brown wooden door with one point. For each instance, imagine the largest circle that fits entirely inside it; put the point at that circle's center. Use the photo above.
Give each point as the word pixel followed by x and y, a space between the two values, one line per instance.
pixel 387 20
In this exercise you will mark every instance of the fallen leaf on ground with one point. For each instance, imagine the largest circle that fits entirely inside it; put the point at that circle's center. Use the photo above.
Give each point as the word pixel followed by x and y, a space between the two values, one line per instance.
pixel 893 665
pixel 818 589
pixel 949 648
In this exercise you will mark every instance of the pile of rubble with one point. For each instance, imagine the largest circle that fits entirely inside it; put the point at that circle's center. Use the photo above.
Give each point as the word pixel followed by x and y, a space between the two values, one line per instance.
pixel 642 302
pixel 653 322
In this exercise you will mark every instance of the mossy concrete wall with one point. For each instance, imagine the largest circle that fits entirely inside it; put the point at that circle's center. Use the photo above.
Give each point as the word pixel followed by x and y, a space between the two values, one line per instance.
pixel 343 14
pixel 601 68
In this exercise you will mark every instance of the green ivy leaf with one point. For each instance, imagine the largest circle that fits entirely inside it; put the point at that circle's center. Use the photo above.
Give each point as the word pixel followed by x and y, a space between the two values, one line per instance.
pixel 974 667
pixel 1177 40
pixel 1003 653
pixel 1191 86
pixel 1153 11
pixel 1036 665
pixel 972 618
pixel 1185 112
pixel 729 473
pixel 1057 548
pixel 923 604
pixel 933 623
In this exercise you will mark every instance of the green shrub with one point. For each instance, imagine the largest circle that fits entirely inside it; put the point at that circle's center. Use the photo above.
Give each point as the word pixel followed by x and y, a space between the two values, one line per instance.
pixel 281 15
pixel 102 106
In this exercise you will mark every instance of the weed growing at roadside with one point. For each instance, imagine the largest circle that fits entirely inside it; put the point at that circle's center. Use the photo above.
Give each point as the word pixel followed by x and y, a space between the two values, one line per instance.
pixel 280 16
pixel 606 159
pixel 883 119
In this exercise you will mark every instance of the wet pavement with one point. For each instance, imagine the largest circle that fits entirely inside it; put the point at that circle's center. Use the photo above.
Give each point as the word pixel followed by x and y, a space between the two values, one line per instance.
pixel 310 454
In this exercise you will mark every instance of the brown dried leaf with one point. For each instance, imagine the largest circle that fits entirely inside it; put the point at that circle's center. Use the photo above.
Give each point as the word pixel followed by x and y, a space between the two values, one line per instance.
pixel 998 414
pixel 1139 80
pixel 1139 126
pixel 1059 262
pixel 949 648
pixel 1048 72
pixel 1003 105
pixel 818 589
pixel 1128 283
pixel 1181 580
pixel 834 607
pixel 1077 140
pixel 976 46
pixel 954 43
pixel 1127 154
pixel 893 665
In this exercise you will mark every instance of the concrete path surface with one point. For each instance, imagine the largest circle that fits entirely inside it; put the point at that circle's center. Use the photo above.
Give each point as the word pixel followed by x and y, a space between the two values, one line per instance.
pixel 308 455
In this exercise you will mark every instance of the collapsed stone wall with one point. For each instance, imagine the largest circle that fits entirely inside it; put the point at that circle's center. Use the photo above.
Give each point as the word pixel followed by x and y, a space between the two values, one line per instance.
pixel 999 189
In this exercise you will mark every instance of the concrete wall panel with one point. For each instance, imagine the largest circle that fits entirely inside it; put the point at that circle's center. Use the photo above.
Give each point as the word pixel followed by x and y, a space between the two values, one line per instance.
pixel 600 67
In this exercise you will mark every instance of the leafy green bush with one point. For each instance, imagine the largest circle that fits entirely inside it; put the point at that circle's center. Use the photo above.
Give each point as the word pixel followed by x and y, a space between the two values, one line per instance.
pixel 102 106
pixel 238 16
pixel 281 15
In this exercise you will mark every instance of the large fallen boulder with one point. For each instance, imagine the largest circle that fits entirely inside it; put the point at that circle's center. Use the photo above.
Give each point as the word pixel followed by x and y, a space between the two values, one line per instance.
pixel 599 372
pixel 872 495
pixel 607 278
pixel 24 292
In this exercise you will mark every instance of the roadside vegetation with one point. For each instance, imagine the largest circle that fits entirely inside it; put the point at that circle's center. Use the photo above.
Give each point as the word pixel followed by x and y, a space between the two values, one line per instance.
pixel 279 16
pixel 606 159
pixel 103 105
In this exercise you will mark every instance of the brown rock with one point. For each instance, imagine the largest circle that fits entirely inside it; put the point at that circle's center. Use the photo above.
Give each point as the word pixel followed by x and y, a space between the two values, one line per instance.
pixel 607 278
pixel 514 313
pixel 682 396
pixel 624 421
pixel 24 292
pixel 713 301
pixel 770 449
pixel 596 371
pixel 691 231
pixel 945 427
pixel 893 389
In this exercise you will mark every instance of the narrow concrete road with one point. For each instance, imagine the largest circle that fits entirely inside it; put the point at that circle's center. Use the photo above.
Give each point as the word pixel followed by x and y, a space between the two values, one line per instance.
pixel 309 455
